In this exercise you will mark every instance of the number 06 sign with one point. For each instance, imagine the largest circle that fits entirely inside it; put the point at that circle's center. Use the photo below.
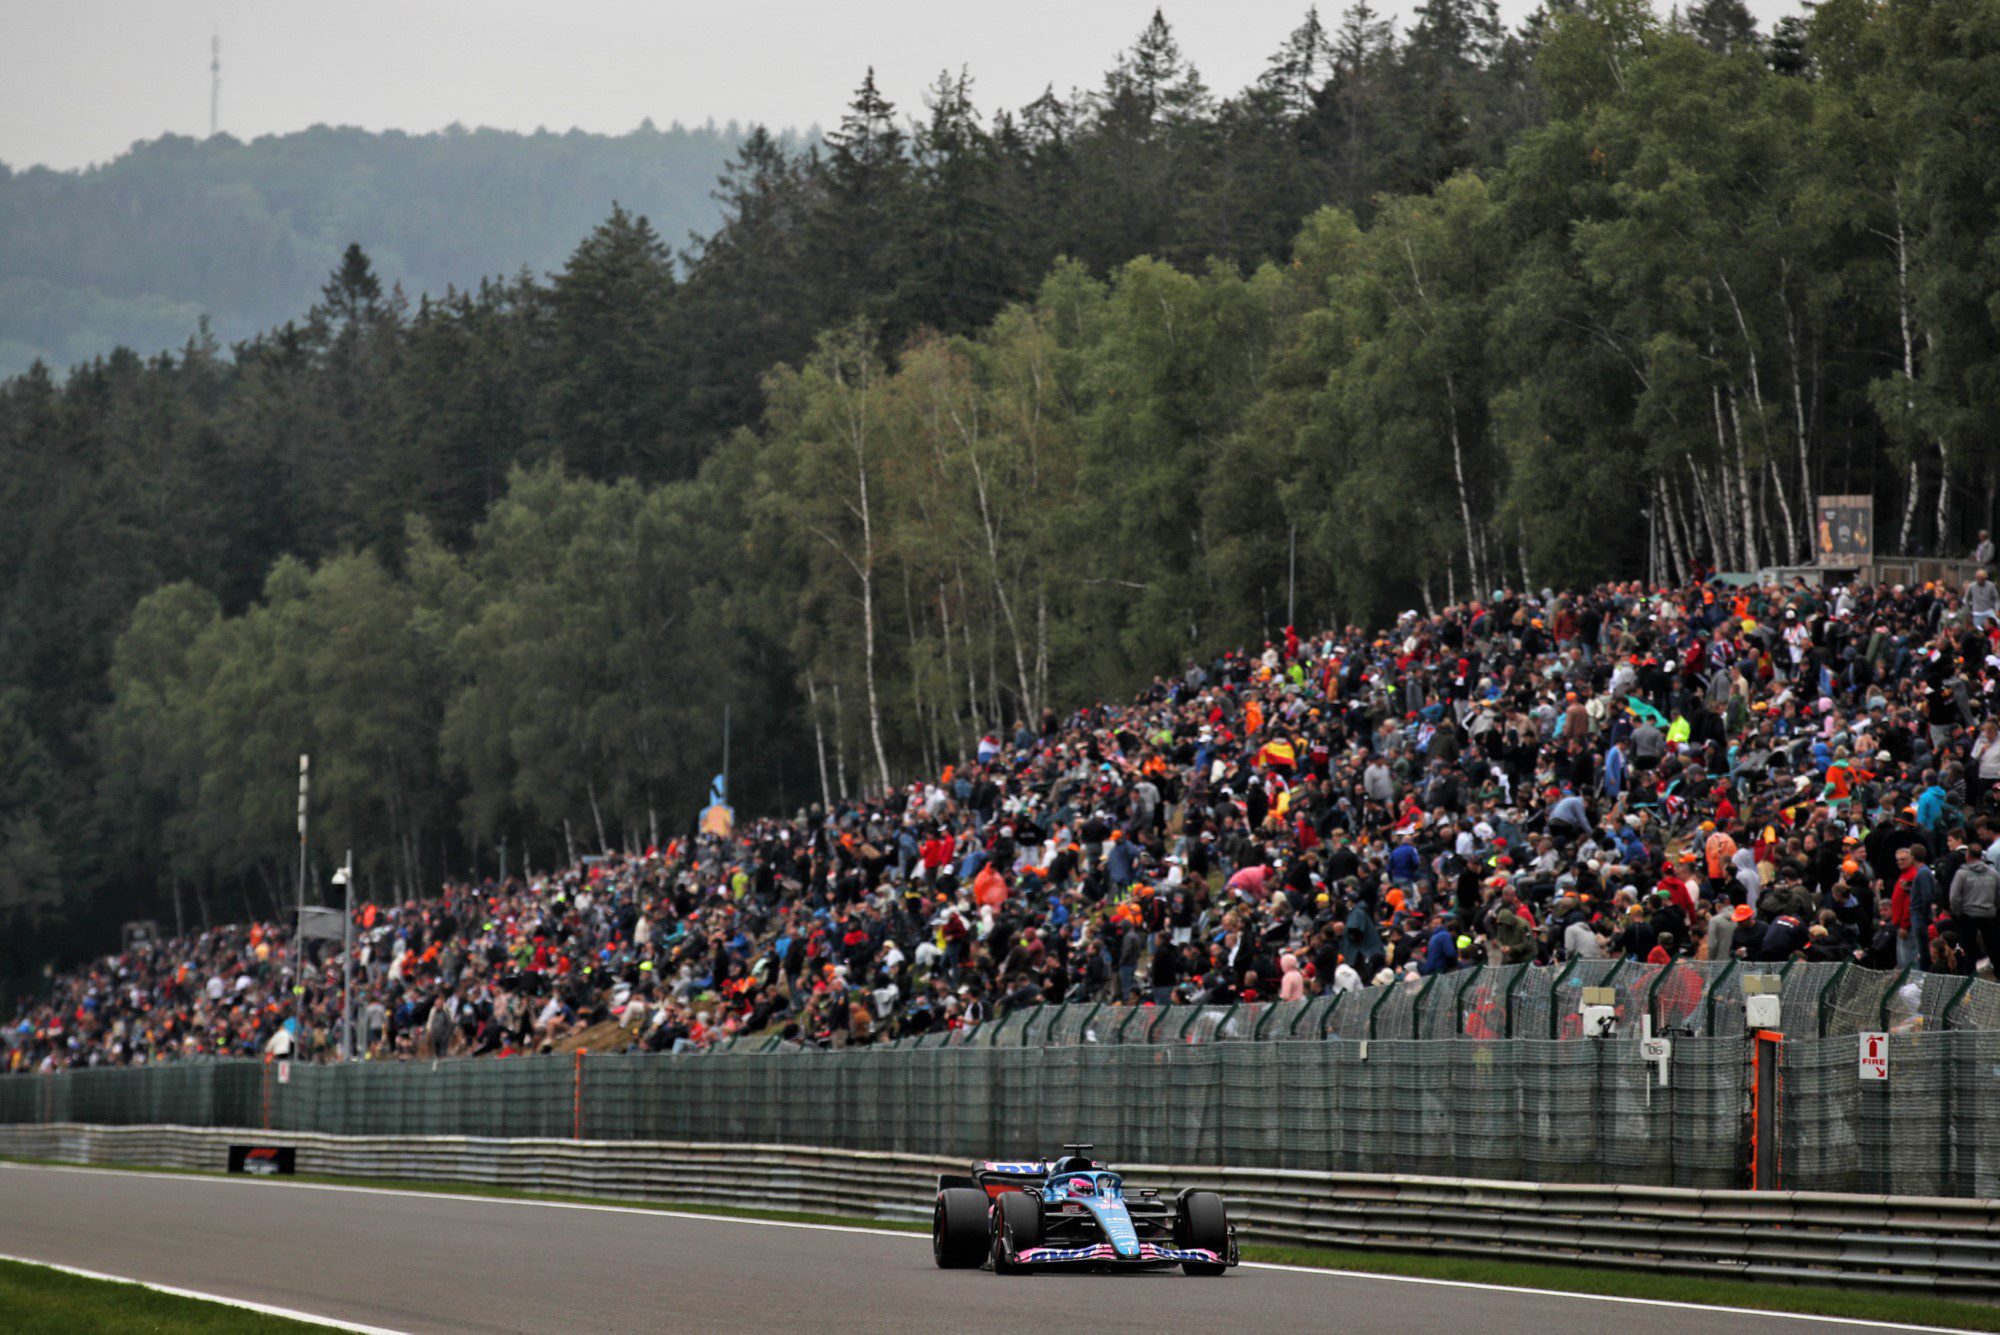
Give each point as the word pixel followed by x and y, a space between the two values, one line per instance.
pixel 1874 1056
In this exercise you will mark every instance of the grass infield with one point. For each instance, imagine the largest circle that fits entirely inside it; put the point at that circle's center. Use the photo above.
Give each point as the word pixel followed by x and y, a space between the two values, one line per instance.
pixel 1755 1295
pixel 35 1300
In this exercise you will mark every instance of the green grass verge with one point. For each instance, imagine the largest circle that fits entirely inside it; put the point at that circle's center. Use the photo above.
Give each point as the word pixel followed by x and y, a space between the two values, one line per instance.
pixel 1755 1295
pixel 35 1300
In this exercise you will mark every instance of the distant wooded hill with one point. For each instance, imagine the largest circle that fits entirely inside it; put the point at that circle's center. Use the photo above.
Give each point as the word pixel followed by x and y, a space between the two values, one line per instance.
pixel 135 252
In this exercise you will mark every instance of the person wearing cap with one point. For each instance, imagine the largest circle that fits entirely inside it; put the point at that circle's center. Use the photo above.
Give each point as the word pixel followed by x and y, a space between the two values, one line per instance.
pixel 1747 938
pixel 1568 819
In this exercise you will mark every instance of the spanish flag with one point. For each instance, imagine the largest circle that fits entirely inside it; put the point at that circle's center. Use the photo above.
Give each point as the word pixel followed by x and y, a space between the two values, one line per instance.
pixel 1277 754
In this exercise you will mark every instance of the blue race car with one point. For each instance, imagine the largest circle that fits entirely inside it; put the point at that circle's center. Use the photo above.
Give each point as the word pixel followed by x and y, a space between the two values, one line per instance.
pixel 1073 1211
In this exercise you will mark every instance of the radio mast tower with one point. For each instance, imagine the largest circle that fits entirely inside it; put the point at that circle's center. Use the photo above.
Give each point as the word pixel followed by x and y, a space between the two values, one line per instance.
pixel 214 81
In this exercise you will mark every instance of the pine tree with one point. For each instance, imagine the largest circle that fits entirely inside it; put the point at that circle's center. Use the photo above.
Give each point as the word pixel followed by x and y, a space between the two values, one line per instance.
pixel 749 300
pixel 1148 135
pixel 1153 81
pixel 955 273
pixel 855 231
pixel 1454 35
pixel 1346 125
pixel 1296 72
pixel 1723 25
pixel 615 369
pixel 352 293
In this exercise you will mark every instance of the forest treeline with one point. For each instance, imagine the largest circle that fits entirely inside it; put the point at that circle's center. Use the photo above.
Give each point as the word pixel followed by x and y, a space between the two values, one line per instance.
pixel 134 252
pixel 895 457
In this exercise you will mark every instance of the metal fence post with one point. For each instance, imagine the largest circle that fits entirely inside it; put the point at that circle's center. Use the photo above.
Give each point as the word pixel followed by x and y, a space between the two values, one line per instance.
pixel 1949 1139
pixel 1826 989
pixel 1555 1012
pixel 1653 994
pixel 1513 986
pixel 1945 1019
pixel 1882 1011
pixel 1458 1002
pixel 1417 1007
pixel 1292 1030
pixel 1387 992
pixel 576 1107
pixel 1715 987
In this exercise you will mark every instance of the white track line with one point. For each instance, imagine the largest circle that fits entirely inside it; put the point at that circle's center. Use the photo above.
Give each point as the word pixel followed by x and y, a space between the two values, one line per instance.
pixel 1862 1322
pixel 265 1309
pixel 265 1182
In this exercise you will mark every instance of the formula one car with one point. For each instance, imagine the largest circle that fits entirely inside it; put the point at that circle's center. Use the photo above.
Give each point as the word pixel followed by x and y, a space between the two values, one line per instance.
pixel 1072 1211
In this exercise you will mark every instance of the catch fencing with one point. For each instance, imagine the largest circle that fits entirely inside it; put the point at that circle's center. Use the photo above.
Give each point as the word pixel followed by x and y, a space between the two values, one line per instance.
pixel 1480 1074
pixel 1912 1244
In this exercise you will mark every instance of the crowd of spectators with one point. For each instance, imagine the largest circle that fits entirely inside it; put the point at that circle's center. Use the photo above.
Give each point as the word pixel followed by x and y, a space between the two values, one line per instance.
pixel 1703 772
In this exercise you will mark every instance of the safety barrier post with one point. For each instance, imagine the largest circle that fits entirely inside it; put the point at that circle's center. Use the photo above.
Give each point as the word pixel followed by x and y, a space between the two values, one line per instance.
pixel 1826 989
pixel 1083 1031
pixel 1458 1002
pixel 576 1110
pixel 1270 1009
pixel 1715 987
pixel 1028 1028
pixel 1765 1100
pixel 1555 1011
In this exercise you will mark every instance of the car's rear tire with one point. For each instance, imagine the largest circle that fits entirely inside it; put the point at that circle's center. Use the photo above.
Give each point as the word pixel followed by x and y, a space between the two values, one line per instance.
pixel 1202 1221
pixel 1017 1226
pixel 959 1238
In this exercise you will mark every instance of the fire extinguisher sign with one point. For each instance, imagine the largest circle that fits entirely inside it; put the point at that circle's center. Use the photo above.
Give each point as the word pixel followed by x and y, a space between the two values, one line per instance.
pixel 1874 1056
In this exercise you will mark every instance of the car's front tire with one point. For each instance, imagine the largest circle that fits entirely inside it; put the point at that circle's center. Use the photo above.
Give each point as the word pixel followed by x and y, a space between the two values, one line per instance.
pixel 1202 1221
pixel 959 1232
pixel 1017 1226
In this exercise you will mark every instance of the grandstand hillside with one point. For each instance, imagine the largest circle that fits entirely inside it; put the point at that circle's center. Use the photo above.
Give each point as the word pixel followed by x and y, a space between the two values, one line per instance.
pixel 963 419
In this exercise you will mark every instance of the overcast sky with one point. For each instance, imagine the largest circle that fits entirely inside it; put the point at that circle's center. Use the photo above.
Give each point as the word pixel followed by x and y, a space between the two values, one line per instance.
pixel 80 80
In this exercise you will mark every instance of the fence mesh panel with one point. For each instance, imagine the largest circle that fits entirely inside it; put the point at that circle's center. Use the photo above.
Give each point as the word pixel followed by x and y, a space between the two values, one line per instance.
pixel 1416 1077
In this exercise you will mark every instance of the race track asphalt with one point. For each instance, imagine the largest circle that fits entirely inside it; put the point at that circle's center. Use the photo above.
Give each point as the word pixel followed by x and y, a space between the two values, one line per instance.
pixel 417 1262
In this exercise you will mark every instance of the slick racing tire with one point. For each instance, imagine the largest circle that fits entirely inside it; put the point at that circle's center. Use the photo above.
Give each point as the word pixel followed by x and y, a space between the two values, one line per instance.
pixel 1017 1226
pixel 958 1229
pixel 1201 1221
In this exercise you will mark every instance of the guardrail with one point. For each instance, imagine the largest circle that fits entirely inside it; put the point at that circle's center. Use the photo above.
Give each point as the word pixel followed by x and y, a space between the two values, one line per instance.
pixel 1935 1245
